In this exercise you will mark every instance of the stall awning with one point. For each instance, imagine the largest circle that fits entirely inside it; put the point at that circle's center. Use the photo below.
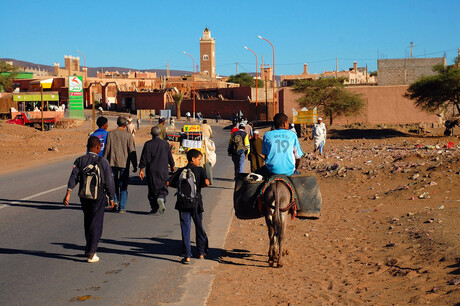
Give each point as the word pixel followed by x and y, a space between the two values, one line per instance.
pixel 36 96
pixel 45 84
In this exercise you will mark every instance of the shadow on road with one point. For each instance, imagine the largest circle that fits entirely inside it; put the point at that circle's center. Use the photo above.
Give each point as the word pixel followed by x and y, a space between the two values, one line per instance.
pixel 78 257
pixel 224 179
pixel 155 248
pixel 39 204
pixel 216 187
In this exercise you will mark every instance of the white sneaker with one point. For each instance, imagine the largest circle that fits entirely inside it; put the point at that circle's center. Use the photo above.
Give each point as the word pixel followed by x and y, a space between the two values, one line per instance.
pixel 94 259
pixel 161 204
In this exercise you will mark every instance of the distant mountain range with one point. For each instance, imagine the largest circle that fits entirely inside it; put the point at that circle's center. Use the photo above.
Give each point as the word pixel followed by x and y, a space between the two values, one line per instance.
pixel 92 71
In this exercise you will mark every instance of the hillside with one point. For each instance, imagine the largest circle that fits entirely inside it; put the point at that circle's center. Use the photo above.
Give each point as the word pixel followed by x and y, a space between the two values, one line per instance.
pixel 92 71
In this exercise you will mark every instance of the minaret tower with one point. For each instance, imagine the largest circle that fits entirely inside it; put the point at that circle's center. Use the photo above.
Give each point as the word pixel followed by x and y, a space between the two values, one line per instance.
pixel 208 54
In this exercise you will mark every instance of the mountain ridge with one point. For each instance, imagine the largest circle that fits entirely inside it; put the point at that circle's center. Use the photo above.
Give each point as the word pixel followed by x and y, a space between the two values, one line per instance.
pixel 92 71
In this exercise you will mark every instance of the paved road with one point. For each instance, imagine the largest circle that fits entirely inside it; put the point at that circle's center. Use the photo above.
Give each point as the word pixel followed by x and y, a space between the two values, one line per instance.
pixel 41 242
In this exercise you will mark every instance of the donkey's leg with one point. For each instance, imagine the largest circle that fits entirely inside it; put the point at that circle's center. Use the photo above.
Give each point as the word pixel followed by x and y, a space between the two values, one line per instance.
pixel 281 239
pixel 271 235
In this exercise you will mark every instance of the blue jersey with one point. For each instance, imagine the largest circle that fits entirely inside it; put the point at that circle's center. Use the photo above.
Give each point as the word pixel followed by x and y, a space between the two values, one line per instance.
pixel 102 135
pixel 281 148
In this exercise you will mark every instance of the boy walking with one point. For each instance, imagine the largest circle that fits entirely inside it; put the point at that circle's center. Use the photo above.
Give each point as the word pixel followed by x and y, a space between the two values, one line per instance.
pixel 101 133
pixel 189 180
pixel 92 200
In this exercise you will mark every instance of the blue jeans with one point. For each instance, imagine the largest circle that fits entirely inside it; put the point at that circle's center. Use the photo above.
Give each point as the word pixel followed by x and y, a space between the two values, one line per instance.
pixel 186 225
pixel 238 162
pixel 121 177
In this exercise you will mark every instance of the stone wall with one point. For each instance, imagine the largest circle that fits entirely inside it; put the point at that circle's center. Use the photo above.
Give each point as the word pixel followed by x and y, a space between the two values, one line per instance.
pixel 405 71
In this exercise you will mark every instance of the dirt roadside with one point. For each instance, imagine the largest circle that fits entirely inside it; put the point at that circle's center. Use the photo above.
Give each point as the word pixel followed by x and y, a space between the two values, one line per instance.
pixel 389 231
pixel 22 147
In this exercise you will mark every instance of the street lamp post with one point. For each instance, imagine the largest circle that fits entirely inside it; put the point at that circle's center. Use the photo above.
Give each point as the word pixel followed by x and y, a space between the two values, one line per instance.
pixel 86 85
pixel 193 77
pixel 274 80
pixel 257 80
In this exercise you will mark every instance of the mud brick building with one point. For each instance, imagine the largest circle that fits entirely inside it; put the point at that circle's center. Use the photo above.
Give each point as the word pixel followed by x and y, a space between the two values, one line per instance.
pixel 404 71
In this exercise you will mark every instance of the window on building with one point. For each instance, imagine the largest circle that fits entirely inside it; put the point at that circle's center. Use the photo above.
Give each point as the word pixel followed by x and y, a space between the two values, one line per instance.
pixel 205 57
pixel 206 72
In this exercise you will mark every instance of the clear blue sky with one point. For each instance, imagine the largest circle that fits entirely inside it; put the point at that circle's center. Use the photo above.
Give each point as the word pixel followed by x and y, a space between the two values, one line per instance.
pixel 146 34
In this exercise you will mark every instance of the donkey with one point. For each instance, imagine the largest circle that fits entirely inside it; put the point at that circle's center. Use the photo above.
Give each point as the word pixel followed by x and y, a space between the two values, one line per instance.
pixel 276 204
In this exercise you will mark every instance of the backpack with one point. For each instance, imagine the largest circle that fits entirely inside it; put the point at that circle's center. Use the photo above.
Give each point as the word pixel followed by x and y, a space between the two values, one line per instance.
pixel 187 196
pixel 238 143
pixel 91 181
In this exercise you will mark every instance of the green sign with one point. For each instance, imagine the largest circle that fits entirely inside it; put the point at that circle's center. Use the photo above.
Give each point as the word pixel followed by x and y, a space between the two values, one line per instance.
pixel 76 97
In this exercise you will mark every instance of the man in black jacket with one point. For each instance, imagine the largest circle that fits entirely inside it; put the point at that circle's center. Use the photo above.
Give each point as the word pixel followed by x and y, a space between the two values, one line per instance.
pixel 93 210
pixel 155 158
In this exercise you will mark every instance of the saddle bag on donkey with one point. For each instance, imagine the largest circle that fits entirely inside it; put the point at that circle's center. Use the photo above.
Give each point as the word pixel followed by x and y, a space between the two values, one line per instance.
pixel 308 196
pixel 245 198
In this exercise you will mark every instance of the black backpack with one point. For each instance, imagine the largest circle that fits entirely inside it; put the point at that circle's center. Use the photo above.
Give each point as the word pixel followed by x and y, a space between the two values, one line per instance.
pixel 91 181
pixel 187 196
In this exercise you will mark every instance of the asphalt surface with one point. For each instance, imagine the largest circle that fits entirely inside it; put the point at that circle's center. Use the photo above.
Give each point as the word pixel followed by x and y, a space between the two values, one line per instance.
pixel 42 242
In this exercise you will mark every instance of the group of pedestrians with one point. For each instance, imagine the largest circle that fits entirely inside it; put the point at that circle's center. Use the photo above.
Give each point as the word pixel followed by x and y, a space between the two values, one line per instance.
pixel 103 174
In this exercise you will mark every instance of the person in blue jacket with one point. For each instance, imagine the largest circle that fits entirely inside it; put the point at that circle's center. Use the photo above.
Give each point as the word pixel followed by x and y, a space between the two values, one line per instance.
pixel 101 132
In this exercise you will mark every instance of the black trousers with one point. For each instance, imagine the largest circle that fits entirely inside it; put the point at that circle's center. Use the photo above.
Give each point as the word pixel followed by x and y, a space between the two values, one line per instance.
pixel 157 189
pixel 93 212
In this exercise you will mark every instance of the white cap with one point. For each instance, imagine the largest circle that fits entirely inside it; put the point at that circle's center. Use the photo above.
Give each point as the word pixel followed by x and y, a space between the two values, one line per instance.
pixel 256 132
pixel 320 118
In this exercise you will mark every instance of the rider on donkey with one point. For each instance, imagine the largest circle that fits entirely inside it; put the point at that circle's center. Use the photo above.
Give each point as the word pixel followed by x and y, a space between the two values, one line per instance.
pixel 281 149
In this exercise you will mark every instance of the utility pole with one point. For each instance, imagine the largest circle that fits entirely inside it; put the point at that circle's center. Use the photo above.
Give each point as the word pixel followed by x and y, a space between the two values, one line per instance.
pixel 167 70
pixel 336 67
pixel 411 49
pixel 236 68
pixel 367 78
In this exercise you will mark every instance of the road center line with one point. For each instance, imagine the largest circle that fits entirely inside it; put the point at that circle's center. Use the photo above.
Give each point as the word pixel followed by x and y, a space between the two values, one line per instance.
pixel 34 196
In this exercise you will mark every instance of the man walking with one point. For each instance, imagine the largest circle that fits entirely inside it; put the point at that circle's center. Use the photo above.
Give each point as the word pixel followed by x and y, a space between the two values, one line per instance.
pixel 92 204
pixel 206 129
pixel 318 133
pixel 162 127
pixel 130 127
pixel 155 158
pixel 120 151
pixel 238 149
pixel 255 156
pixel 248 130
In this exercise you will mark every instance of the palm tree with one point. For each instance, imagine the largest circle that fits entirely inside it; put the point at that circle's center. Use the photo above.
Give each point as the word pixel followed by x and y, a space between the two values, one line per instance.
pixel 178 97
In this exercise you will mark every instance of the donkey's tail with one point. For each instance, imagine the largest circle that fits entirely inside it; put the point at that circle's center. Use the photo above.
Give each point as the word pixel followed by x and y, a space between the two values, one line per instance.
pixel 277 209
